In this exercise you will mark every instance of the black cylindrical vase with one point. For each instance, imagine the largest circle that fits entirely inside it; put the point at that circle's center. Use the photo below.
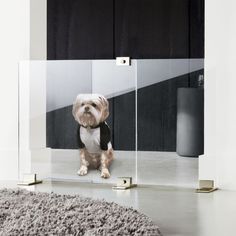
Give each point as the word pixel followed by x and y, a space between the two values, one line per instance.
pixel 190 122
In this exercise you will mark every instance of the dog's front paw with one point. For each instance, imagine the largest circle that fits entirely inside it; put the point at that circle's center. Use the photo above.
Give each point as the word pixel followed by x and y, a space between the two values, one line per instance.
pixel 83 170
pixel 105 173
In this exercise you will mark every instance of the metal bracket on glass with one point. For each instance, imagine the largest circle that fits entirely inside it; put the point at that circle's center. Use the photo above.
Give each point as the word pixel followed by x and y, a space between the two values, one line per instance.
pixel 124 183
pixel 123 61
pixel 206 186
pixel 29 179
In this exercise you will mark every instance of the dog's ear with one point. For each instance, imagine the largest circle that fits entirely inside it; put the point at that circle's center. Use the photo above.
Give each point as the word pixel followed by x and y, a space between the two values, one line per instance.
pixel 105 105
pixel 76 106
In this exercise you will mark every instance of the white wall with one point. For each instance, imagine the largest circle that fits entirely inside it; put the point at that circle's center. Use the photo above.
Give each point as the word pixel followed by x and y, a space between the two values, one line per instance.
pixel 219 161
pixel 38 29
pixel 17 43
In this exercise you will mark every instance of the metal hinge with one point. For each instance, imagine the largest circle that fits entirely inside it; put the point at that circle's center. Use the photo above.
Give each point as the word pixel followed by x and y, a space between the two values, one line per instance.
pixel 123 61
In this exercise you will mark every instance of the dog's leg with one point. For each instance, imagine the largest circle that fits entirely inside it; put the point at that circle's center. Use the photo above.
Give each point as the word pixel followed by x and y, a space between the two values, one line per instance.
pixel 83 170
pixel 106 159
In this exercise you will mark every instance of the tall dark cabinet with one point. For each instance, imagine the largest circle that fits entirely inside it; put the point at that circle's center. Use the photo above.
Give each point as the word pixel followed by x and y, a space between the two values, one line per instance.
pixel 140 29
pixel 152 28
pixel 105 29
pixel 80 29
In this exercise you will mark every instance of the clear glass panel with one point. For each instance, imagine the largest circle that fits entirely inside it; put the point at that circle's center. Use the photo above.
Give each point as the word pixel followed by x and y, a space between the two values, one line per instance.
pixel 157 84
pixel 65 80
pixel 118 84
pixel 34 157
pixel 142 105
pixel 48 130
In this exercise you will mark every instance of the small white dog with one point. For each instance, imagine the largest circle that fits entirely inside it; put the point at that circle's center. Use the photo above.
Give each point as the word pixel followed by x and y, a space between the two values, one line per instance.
pixel 94 138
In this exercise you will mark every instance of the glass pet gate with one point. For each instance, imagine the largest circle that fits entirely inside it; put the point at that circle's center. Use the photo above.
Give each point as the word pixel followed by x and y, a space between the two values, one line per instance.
pixel 137 95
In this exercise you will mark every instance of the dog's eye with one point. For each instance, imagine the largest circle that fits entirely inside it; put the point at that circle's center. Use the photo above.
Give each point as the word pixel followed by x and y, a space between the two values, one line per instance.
pixel 94 105
pixel 82 104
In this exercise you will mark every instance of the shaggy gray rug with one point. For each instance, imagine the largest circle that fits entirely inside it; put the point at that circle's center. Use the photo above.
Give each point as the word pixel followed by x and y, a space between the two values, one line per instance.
pixel 29 213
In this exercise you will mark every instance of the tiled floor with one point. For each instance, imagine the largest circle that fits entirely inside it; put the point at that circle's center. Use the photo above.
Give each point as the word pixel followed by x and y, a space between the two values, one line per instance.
pixel 177 211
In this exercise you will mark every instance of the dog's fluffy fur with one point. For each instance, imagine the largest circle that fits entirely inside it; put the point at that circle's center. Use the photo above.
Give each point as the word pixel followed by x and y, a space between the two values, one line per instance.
pixel 91 111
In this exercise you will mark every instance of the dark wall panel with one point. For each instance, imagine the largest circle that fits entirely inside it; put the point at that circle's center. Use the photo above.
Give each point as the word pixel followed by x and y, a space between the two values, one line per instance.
pixel 150 122
pixel 105 29
pixel 157 112
pixel 157 115
pixel 61 129
pixel 124 122
pixel 196 28
pixel 152 28
pixel 79 29
pixel 169 129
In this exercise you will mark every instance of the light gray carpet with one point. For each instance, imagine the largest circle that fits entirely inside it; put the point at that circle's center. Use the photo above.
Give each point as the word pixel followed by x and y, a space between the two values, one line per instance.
pixel 29 213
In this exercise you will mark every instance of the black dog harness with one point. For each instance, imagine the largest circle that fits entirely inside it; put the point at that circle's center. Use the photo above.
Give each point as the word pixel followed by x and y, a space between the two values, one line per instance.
pixel 95 139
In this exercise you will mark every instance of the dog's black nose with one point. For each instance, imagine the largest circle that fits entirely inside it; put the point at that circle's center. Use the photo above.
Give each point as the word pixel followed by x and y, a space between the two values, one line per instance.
pixel 86 108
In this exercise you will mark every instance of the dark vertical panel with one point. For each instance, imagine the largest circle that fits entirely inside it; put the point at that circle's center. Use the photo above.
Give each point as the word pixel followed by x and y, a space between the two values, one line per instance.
pixel 50 133
pixel 152 28
pixel 196 28
pixel 80 29
pixel 70 128
pixel 61 129
pixel 179 29
pixel 169 129
pixel 92 29
pixel 169 110
pixel 58 20
pixel 110 118
pixel 169 93
pixel 150 118
pixel 51 29
pixel 124 122
pixel 157 115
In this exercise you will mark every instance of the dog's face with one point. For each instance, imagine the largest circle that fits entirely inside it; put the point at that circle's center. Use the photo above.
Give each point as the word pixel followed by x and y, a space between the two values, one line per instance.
pixel 90 109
